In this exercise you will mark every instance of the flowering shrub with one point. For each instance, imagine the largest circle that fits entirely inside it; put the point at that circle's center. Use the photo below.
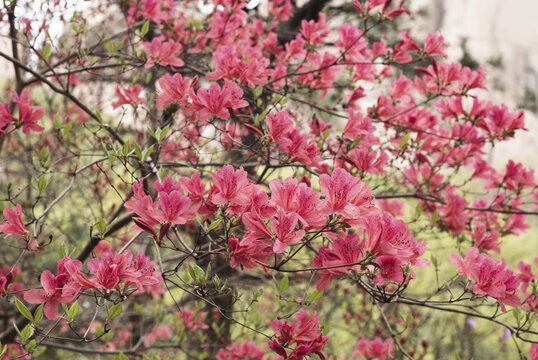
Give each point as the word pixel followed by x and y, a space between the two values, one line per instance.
pixel 285 183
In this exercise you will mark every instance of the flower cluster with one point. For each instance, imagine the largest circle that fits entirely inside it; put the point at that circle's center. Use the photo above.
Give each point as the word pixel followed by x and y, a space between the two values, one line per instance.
pixel 240 351
pixel 305 335
pixel 489 276
pixel 28 115
pixel 172 208
pixel 387 239
pixel 10 280
pixel 376 348
pixel 14 225
pixel 110 272
pixel 529 285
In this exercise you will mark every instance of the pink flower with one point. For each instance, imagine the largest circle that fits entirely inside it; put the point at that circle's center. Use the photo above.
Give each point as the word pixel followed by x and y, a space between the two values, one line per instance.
pixel 158 332
pixel 351 41
pixel 360 127
pixel 8 280
pixel 192 322
pixel 454 212
pixel 174 208
pixel 147 210
pixel 280 9
pixel 256 227
pixel 5 117
pixel 144 273
pixel 174 90
pixel 347 196
pixel 167 186
pixel 402 48
pixel 517 177
pixel 374 348
pixel 128 96
pixel 239 63
pixel 51 295
pixel 13 224
pixel 344 256
pixel 216 101
pixel 533 352
pixel 299 198
pixel 491 277
pixel 284 225
pixel 500 122
pixel 394 207
pixel 163 53
pixel 368 161
pixel 28 115
pixel 525 275
pixel 306 333
pixel 279 125
pixel 433 45
pixel 315 31
pixel 230 186
pixel 486 241
pixel 241 351
pixel 388 236
pixel 390 271
pixel 77 280
pixel 195 189
pixel 111 268
pixel 246 254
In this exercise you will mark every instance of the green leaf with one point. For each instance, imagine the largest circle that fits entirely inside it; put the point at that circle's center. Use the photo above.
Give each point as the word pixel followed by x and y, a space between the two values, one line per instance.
pixel 517 313
pixel 101 226
pixel 110 46
pixel 34 182
pixel 62 250
pixel 435 217
pixel 98 116
pixel 42 184
pixel 145 28
pixel 164 132
pixel 257 91
pixel 456 356
pixel 316 295
pixel 16 328
pixel 67 129
pixel 57 121
pixel 434 261
pixel 31 346
pixel 73 310
pixel 115 310
pixel 197 273
pixel 46 51
pixel 138 152
pixel 23 310
pixel 213 225
pixel 38 315
pixel 404 141
pixel 152 133
pixel 147 153
pixel 126 149
pixel 4 350
pixel 283 285
pixel 121 356
pixel 27 332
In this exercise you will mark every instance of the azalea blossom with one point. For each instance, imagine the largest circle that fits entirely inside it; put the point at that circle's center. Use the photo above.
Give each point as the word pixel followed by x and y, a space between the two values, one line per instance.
pixel 128 96
pixel 489 276
pixel 13 222
pixel 51 295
